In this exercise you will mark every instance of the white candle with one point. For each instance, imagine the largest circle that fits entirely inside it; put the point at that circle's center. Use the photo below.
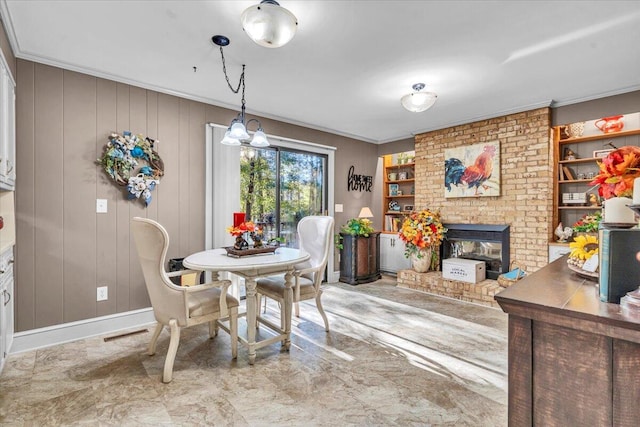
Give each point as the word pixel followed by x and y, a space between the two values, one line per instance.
pixel 616 211
pixel 636 191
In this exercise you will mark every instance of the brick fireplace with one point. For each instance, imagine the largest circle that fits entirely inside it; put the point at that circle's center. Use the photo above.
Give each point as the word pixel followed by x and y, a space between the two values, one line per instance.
pixel 489 243
pixel 525 202
pixel 433 283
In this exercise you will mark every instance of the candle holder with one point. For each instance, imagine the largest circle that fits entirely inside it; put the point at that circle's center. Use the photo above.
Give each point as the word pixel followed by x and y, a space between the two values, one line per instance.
pixel 635 208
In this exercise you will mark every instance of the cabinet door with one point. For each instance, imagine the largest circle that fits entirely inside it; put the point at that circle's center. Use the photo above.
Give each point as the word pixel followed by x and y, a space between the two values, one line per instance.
pixel 10 149
pixel 363 264
pixel 392 256
pixel 385 252
pixel 7 130
pixel 3 326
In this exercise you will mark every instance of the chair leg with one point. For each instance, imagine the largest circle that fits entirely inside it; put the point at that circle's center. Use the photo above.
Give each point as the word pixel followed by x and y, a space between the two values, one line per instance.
pixel 321 310
pixel 154 339
pixel 297 306
pixel 213 329
pixel 167 376
pixel 283 315
pixel 233 331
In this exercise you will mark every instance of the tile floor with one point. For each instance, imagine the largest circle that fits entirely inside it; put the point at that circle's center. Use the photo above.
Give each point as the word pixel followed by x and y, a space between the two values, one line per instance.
pixel 394 357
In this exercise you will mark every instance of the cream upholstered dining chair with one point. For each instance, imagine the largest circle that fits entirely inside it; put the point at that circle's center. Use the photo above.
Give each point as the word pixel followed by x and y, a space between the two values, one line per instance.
pixel 180 306
pixel 315 235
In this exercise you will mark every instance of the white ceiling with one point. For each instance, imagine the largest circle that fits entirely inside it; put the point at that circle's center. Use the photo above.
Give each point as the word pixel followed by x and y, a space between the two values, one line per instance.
pixel 350 61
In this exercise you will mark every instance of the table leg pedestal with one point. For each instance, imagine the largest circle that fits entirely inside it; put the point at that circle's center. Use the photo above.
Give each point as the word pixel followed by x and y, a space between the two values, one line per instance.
pixel 287 310
pixel 250 285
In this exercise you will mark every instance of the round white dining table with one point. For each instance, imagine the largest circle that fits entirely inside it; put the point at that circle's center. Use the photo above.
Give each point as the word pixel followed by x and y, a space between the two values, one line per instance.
pixel 250 268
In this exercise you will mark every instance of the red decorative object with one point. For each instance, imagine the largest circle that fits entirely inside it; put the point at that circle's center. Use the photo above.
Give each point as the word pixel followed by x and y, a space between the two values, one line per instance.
pixel 610 124
pixel 1 223
pixel 238 218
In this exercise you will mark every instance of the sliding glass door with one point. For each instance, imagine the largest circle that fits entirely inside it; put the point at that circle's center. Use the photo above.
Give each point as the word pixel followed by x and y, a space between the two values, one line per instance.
pixel 279 186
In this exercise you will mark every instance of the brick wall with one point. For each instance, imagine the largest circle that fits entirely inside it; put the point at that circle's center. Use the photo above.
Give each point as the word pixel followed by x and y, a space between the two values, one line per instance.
pixel 432 282
pixel 526 200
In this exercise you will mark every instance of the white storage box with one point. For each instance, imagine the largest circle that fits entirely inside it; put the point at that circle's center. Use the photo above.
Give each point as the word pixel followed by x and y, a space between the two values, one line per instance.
pixel 464 270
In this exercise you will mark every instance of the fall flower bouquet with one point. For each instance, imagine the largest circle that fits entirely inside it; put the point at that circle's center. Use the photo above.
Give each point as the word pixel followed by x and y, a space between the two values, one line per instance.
pixel 421 230
pixel 245 227
pixel 617 172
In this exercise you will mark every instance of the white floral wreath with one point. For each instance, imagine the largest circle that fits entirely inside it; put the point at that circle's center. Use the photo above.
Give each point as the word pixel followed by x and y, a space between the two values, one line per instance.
pixel 122 154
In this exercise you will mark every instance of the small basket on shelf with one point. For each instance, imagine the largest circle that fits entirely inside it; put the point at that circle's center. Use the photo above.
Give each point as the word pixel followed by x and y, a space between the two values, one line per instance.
pixel 515 273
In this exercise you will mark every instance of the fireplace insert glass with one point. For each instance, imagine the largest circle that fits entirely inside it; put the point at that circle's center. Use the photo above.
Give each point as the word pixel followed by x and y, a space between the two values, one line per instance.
pixel 481 242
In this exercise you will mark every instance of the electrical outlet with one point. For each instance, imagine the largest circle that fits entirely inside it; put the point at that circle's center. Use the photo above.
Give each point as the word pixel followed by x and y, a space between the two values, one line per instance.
pixel 103 293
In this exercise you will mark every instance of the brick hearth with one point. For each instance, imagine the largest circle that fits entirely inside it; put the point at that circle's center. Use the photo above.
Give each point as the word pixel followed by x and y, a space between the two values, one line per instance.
pixel 433 283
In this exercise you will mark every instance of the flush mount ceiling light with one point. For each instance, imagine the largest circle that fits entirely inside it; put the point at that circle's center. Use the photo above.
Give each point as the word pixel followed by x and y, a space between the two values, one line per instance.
pixel 418 101
pixel 237 133
pixel 269 24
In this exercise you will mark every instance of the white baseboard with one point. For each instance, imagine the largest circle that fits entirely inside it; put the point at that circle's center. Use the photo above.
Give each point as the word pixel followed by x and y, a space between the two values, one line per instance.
pixel 73 331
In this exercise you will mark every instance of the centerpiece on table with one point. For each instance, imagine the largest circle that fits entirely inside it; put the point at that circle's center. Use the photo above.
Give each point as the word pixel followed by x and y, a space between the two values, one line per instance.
pixel 618 170
pixel 422 232
pixel 245 232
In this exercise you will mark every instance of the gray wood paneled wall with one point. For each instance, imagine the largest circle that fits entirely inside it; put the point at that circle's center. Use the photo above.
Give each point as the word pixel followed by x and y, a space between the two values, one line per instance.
pixel 64 249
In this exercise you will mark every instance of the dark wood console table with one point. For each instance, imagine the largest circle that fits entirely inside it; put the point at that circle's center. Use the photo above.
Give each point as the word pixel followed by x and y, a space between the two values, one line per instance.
pixel 360 258
pixel 573 360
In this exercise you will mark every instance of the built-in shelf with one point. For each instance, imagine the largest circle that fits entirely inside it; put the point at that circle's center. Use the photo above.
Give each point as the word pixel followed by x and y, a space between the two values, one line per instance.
pixel 575 181
pixel 585 160
pixel 404 165
pixel 599 137
pixel 400 181
pixel 570 176
pixel 579 207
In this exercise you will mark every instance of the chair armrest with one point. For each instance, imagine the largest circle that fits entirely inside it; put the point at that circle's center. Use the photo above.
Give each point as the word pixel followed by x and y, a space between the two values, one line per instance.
pixel 197 288
pixel 306 271
pixel 183 272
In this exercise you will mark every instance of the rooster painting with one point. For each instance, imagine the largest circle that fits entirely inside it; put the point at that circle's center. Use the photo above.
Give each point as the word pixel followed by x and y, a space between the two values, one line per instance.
pixel 469 171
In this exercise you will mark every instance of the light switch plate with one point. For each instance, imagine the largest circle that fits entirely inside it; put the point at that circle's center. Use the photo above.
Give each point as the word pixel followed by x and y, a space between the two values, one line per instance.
pixel 339 208
pixel 101 205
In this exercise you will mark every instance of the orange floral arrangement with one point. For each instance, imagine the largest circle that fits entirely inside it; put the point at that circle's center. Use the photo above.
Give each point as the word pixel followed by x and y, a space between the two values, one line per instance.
pixel 420 230
pixel 617 172
pixel 245 227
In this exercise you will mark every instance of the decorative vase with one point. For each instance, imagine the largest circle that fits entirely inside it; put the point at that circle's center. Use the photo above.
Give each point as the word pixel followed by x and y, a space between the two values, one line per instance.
pixel 575 130
pixel 421 261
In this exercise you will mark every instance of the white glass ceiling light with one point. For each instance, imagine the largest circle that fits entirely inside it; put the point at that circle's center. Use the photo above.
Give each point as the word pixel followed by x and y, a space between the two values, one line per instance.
pixel 237 132
pixel 228 140
pixel 269 24
pixel 418 101
pixel 259 139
